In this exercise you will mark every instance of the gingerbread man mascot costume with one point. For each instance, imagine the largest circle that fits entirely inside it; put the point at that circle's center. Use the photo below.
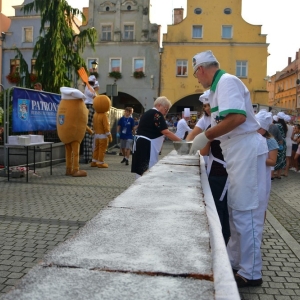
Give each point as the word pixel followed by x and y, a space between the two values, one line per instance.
pixel 101 104
pixel 72 118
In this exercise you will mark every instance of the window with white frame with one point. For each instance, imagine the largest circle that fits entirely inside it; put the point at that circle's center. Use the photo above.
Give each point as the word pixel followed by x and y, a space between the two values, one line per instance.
pixel 226 31
pixel 106 32
pixel 27 34
pixel 138 65
pixel 33 61
pixel 128 32
pixel 241 69
pixel 197 32
pixel 115 65
pixel 181 67
pixel 92 64
pixel 14 65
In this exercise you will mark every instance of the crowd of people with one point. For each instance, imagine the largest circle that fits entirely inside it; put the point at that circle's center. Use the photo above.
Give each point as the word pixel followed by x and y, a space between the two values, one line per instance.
pixel 244 152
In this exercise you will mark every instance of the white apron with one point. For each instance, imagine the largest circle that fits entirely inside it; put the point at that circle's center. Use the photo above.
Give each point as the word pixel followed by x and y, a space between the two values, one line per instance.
pixel 156 145
pixel 241 165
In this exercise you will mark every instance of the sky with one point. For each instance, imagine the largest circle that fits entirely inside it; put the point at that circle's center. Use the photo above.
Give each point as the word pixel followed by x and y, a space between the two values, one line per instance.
pixel 279 21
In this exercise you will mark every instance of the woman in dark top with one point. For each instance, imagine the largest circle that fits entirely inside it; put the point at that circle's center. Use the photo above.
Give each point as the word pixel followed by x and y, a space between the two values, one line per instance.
pixel 281 156
pixel 218 181
pixel 150 136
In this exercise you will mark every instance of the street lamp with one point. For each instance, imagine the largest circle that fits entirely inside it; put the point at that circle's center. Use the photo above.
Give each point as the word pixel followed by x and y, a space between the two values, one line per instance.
pixel 94 64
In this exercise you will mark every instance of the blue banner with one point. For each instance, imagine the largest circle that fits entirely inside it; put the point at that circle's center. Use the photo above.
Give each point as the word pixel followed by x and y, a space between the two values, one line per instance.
pixel 34 110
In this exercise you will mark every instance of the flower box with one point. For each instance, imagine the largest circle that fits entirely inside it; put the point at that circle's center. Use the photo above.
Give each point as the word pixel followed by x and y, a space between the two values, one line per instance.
pixel 14 77
pixel 115 74
pixel 138 74
pixel 33 77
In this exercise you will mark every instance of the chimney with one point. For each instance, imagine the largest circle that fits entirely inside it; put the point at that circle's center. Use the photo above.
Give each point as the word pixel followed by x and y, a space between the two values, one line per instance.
pixel 178 15
pixel 289 61
pixel 296 55
pixel 85 11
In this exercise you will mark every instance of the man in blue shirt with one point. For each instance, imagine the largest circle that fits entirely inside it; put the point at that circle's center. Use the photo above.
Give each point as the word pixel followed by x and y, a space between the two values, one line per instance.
pixel 124 132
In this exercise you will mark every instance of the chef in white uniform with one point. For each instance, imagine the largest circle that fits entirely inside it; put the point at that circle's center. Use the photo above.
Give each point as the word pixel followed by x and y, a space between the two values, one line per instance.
pixel 204 122
pixel 245 152
pixel 182 125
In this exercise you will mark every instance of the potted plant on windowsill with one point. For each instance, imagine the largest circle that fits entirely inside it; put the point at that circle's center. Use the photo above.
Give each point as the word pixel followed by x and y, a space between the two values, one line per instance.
pixel 115 74
pixel 138 74
pixel 33 77
pixel 14 77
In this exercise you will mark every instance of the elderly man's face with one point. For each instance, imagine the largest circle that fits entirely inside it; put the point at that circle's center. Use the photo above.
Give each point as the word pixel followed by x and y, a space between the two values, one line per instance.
pixel 201 75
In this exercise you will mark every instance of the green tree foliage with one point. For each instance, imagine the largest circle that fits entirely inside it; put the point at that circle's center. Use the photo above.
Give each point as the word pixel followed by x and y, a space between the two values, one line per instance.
pixel 25 80
pixel 58 48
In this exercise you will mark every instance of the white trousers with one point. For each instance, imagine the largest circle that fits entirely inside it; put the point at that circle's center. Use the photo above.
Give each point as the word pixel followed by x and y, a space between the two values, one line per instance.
pixel 246 228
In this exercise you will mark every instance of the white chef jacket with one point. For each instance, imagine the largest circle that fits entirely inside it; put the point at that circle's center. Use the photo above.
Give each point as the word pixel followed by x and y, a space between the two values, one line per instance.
pixel 229 95
pixel 241 146
pixel 182 128
pixel 89 95
pixel 204 122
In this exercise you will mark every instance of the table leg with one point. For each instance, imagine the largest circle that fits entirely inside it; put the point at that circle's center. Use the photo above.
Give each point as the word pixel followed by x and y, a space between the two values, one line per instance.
pixel 50 159
pixel 27 167
pixel 34 159
pixel 7 164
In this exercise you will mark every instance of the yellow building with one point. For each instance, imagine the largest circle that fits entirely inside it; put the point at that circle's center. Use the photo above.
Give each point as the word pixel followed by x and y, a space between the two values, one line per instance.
pixel 285 85
pixel 215 25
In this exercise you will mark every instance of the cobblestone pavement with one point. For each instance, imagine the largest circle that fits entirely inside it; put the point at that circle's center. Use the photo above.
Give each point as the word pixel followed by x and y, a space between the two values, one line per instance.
pixel 36 216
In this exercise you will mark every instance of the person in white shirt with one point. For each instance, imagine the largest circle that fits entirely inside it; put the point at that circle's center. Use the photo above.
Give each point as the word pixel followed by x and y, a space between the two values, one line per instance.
pixel 245 152
pixel 288 141
pixel 183 128
pixel 204 122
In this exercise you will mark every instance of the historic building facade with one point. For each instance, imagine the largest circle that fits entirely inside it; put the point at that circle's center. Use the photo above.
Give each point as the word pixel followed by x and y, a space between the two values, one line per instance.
pixel 127 47
pixel 218 26
pixel 22 34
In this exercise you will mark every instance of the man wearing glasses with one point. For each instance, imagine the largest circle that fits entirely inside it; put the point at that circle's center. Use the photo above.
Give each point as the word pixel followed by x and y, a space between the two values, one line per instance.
pixel 245 152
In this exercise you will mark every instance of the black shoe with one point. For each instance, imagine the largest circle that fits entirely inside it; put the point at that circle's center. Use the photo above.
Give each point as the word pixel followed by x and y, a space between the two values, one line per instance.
pixel 243 282
pixel 159 153
pixel 123 160
pixel 127 162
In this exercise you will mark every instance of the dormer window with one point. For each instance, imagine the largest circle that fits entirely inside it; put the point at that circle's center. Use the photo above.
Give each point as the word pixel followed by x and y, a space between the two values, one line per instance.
pixel 129 5
pixel 107 6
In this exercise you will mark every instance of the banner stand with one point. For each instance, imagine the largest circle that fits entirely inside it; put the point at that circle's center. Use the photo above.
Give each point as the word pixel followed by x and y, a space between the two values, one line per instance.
pixel 6 124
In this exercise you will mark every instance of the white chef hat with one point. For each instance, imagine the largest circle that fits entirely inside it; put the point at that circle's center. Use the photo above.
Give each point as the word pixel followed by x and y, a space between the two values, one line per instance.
pixel 92 78
pixel 264 118
pixel 68 93
pixel 187 112
pixel 275 118
pixel 287 118
pixel 203 57
pixel 281 115
pixel 204 97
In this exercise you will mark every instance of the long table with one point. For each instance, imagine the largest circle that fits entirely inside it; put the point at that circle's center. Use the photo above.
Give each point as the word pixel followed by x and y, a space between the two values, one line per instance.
pixel 35 148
